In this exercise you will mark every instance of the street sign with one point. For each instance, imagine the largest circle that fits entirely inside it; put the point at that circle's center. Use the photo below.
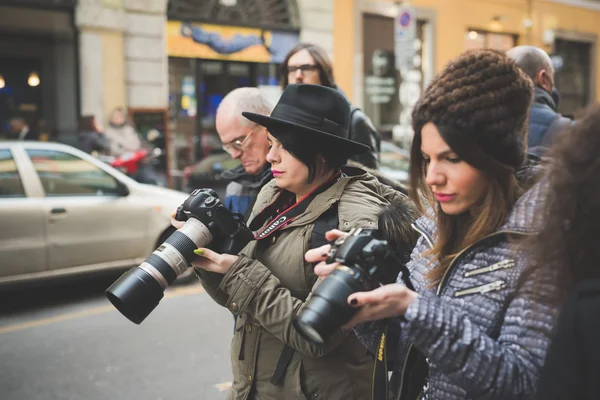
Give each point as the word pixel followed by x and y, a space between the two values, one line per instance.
pixel 405 32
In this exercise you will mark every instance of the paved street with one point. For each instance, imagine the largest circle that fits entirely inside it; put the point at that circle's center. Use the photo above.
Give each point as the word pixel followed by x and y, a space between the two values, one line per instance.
pixel 69 343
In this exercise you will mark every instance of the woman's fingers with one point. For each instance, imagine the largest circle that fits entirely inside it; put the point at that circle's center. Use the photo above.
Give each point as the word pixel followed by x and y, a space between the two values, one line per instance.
pixel 318 254
pixel 334 234
pixel 323 269
pixel 384 302
pixel 177 224
pixel 208 254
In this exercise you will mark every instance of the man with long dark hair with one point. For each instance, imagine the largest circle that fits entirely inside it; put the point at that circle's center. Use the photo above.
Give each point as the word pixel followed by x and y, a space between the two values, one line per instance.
pixel 309 63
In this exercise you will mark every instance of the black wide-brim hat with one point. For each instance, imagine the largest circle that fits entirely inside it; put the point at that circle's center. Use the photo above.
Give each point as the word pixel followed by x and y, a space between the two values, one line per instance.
pixel 317 110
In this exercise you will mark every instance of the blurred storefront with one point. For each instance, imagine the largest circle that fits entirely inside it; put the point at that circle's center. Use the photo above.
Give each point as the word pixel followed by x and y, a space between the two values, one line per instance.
pixel 215 47
pixel 398 46
pixel 38 64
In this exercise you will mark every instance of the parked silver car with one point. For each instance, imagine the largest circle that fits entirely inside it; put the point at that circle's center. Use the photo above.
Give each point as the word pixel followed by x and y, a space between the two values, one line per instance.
pixel 63 212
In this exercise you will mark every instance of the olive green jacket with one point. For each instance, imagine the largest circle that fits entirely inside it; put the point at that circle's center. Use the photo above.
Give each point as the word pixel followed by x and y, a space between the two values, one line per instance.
pixel 269 284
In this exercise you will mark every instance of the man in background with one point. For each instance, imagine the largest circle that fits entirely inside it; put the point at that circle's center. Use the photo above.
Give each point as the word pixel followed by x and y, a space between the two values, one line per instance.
pixel 20 130
pixel 545 122
pixel 309 63
pixel 246 141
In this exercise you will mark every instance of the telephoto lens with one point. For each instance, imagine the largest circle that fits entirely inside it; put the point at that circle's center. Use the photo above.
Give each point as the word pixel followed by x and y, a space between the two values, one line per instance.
pixel 207 223
pixel 361 256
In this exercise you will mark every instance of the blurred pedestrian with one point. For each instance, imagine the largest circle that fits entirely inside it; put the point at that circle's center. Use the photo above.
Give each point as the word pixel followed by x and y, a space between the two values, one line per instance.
pixel 545 122
pixel 121 134
pixel 90 137
pixel 567 248
pixel 20 130
pixel 309 63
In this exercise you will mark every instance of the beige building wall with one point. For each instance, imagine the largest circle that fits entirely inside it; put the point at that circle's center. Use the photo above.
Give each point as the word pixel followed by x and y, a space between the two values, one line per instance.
pixel 113 71
pixel 123 62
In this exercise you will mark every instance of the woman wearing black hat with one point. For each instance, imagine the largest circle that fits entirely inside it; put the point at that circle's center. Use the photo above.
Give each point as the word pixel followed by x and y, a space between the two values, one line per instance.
pixel 268 283
pixel 478 324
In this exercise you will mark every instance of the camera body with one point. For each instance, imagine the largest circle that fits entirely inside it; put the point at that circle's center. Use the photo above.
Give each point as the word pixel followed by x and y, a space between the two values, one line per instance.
pixel 228 230
pixel 364 259
pixel 364 254
pixel 207 223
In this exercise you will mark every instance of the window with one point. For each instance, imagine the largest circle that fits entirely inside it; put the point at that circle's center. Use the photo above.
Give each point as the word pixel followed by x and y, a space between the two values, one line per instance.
pixel 63 174
pixel 10 180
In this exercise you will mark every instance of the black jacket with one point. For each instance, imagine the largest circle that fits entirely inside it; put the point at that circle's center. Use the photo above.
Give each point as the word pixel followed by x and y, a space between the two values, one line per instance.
pixel 363 131
pixel 572 367
pixel 93 141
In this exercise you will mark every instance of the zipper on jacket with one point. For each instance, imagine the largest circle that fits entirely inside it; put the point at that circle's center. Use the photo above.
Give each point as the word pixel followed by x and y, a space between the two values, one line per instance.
pixel 505 264
pixel 443 280
pixel 422 232
pixel 482 289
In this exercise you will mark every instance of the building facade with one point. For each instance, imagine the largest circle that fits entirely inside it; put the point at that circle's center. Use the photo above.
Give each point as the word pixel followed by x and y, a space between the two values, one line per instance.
pixel 441 30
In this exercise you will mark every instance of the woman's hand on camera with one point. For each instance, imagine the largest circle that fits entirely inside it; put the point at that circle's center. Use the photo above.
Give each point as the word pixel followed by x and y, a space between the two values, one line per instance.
pixel 176 223
pixel 384 302
pixel 212 261
pixel 208 259
pixel 319 255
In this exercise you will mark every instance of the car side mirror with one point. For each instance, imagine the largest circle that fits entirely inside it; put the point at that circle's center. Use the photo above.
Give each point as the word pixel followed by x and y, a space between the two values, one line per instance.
pixel 122 189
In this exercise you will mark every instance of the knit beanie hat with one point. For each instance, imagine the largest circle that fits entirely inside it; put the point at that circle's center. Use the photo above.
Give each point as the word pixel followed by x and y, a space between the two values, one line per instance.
pixel 480 105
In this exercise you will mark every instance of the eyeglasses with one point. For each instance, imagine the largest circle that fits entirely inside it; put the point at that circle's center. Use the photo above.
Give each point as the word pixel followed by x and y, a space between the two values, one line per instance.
pixel 238 144
pixel 304 68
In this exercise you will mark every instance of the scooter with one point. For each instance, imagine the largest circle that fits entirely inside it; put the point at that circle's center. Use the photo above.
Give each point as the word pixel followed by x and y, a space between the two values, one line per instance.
pixel 136 164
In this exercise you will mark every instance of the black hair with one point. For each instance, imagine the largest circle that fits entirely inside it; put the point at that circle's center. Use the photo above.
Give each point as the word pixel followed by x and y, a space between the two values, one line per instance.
pixel 303 147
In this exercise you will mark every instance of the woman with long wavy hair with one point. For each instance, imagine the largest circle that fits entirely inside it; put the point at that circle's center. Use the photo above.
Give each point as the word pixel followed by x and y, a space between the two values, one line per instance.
pixel 477 324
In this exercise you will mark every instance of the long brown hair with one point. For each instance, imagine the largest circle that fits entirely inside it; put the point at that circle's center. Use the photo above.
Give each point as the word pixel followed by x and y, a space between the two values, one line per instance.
pixel 455 233
pixel 567 247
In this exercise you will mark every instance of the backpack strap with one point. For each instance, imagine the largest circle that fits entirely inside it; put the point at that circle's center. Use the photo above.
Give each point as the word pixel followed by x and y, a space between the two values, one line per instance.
pixel 327 221
pixel 282 364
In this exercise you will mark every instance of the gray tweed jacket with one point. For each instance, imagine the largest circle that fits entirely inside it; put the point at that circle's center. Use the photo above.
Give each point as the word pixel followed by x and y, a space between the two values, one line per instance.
pixel 485 329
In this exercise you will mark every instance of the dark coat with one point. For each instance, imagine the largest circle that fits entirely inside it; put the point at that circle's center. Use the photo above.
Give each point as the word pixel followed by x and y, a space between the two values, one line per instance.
pixel 93 141
pixel 363 131
pixel 572 367
pixel 544 122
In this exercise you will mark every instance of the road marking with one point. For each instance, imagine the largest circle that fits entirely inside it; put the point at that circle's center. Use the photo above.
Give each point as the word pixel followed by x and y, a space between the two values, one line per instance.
pixel 171 293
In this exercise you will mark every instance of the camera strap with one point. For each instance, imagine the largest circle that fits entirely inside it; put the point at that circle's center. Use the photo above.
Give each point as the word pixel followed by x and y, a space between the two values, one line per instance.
pixel 286 210
pixel 379 386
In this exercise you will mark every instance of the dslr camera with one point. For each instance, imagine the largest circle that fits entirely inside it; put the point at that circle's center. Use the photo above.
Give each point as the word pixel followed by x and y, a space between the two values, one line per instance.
pixel 208 223
pixel 365 261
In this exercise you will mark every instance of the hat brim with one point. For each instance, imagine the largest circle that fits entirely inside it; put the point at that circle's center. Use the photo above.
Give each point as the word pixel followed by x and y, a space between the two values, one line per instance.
pixel 276 126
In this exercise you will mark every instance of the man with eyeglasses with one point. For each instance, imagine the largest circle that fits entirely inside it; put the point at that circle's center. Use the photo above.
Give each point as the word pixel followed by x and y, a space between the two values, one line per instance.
pixel 246 141
pixel 309 63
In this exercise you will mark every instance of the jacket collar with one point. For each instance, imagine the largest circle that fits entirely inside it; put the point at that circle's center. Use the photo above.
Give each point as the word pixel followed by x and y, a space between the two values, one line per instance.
pixel 323 201
pixel 540 96
pixel 240 175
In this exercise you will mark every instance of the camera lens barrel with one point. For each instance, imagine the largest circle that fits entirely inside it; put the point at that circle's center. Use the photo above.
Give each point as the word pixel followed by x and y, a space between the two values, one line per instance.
pixel 137 292
pixel 328 308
